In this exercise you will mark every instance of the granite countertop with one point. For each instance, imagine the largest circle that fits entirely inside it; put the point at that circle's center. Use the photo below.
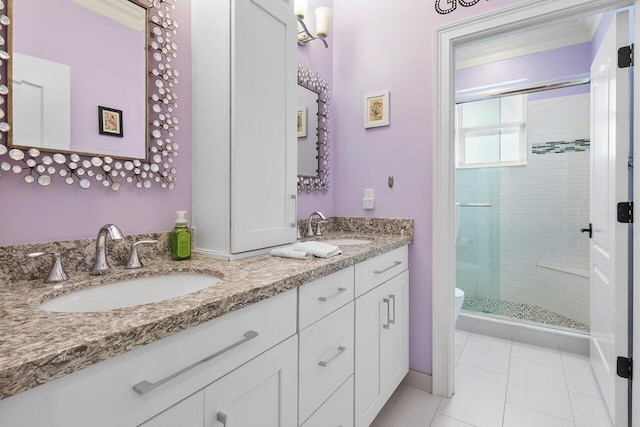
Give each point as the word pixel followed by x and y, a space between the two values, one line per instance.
pixel 37 346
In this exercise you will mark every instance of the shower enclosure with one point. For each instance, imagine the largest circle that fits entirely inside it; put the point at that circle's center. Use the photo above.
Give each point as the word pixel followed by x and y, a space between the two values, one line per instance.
pixel 520 253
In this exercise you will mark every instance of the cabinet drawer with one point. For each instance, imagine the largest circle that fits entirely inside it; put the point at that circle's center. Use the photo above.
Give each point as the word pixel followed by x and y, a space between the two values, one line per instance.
pixel 375 271
pixel 323 296
pixel 337 411
pixel 90 396
pixel 326 358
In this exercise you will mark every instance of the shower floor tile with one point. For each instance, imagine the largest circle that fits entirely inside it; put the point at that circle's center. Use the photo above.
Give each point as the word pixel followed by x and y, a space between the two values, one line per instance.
pixel 515 310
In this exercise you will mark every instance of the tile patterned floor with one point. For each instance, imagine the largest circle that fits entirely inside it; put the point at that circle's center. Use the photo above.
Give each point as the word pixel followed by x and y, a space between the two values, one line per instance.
pixel 515 310
pixel 501 383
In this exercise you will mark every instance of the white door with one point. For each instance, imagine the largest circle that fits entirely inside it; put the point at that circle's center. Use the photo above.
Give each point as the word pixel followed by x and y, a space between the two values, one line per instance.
pixel 609 255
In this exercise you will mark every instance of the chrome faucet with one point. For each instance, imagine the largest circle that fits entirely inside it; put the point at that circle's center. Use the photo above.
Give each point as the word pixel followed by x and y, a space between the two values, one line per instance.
pixel 101 265
pixel 56 273
pixel 323 220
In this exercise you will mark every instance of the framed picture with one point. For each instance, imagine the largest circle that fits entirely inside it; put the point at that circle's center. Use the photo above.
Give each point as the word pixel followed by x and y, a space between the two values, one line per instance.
pixel 302 122
pixel 376 109
pixel 110 121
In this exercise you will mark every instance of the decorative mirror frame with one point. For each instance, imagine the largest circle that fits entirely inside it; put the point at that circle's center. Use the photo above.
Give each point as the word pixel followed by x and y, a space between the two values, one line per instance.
pixel 316 84
pixel 40 167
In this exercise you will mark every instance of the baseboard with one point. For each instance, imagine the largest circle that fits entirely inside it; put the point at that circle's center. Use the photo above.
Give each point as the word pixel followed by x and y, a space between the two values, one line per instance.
pixel 418 380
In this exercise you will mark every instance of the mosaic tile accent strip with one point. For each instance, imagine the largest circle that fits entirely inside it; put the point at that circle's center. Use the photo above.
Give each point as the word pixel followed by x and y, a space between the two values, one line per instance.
pixel 557 147
pixel 514 310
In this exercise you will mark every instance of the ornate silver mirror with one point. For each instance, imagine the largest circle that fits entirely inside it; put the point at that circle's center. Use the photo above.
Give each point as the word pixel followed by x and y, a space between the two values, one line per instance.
pixel 313 132
pixel 88 92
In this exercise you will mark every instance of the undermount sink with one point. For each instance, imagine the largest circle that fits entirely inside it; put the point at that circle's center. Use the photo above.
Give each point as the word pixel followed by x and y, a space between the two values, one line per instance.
pixel 129 293
pixel 346 242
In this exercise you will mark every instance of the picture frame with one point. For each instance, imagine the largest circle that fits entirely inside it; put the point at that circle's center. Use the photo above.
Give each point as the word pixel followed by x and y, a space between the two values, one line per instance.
pixel 110 122
pixel 376 109
pixel 302 122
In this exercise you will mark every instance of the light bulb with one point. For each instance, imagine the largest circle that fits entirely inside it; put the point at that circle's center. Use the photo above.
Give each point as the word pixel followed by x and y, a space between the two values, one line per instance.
pixel 300 8
pixel 323 21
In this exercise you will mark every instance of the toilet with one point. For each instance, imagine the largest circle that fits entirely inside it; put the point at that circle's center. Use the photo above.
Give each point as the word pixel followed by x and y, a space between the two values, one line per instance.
pixel 459 301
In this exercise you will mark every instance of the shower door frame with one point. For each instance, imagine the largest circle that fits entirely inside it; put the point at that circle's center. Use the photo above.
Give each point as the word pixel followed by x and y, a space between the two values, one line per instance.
pixel 510 18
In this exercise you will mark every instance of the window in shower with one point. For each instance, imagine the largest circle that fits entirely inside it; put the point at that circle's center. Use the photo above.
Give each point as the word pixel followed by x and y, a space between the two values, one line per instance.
pixel 492 132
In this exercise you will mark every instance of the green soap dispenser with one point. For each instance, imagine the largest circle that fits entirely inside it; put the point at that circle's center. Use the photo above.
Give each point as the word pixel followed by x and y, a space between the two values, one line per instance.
pixel 181 238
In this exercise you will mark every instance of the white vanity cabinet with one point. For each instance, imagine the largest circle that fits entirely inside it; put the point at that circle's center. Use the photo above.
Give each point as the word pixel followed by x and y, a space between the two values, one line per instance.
pixel 329 353
pixel 103 394
pixel 244 56
pixel 263 392
pixel 381 331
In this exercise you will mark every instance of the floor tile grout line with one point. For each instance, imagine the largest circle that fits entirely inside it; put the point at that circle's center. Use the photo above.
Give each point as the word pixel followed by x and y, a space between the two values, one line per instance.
pixel 541 412
pixel 536 361
pixel 588 395
pixel 566 383
pixel 484 369
pixel 506 389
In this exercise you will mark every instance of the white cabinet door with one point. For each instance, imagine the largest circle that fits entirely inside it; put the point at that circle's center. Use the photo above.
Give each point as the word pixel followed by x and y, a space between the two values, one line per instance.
pixel 188 413
pixel 263 114
pixel 394 351
pixel 369 397
pixel 382 346
pixel 263 392
pixel 337 410
pixel 244 148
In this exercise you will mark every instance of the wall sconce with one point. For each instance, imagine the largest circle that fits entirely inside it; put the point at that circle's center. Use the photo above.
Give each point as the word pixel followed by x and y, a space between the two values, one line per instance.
pixel 323 22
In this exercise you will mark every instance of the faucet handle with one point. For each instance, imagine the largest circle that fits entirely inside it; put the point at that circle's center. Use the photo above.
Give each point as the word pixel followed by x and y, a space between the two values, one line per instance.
pixel 318 230
pixel 57 273
pixel 134 258
pixel 309 232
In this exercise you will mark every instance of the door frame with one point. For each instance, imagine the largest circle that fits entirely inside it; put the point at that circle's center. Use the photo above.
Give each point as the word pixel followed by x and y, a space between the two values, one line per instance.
pixel 447 37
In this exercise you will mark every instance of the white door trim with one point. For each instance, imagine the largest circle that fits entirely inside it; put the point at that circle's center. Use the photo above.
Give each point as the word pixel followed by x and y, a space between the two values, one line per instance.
pixel 526 13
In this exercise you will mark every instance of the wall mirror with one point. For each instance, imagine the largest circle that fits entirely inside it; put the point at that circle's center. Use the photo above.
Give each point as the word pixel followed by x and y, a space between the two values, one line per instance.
pixel 88 93
pixel 313 132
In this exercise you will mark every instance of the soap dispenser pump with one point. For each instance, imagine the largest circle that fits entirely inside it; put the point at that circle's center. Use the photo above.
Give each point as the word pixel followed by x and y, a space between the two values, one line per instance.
pixel 181 238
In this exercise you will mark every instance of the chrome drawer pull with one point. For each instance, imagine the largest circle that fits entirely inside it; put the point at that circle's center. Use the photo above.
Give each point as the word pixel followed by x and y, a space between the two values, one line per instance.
pixel 340 290
pixel 222 418
pixel 386 300
pixel 341 350
pixel 145 386
pixel 393 298
pixel 395 264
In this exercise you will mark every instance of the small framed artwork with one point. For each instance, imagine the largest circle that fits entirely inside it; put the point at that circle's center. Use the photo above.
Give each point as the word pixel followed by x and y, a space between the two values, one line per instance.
pixel 302 122
pixel 110 121
pixel 376 109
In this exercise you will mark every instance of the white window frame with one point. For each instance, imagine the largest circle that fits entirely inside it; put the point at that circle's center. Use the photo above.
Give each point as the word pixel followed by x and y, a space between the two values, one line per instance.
pixel 461 132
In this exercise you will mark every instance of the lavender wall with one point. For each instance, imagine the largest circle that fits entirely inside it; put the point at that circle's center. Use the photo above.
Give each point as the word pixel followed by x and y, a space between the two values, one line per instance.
pixel 107 68
pixel 555 63
pixel 30 213
pixel 320 60
pixel 378 47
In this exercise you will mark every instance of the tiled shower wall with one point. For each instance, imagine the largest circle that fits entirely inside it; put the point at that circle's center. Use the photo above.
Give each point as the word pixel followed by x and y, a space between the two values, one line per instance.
pixel 537 210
